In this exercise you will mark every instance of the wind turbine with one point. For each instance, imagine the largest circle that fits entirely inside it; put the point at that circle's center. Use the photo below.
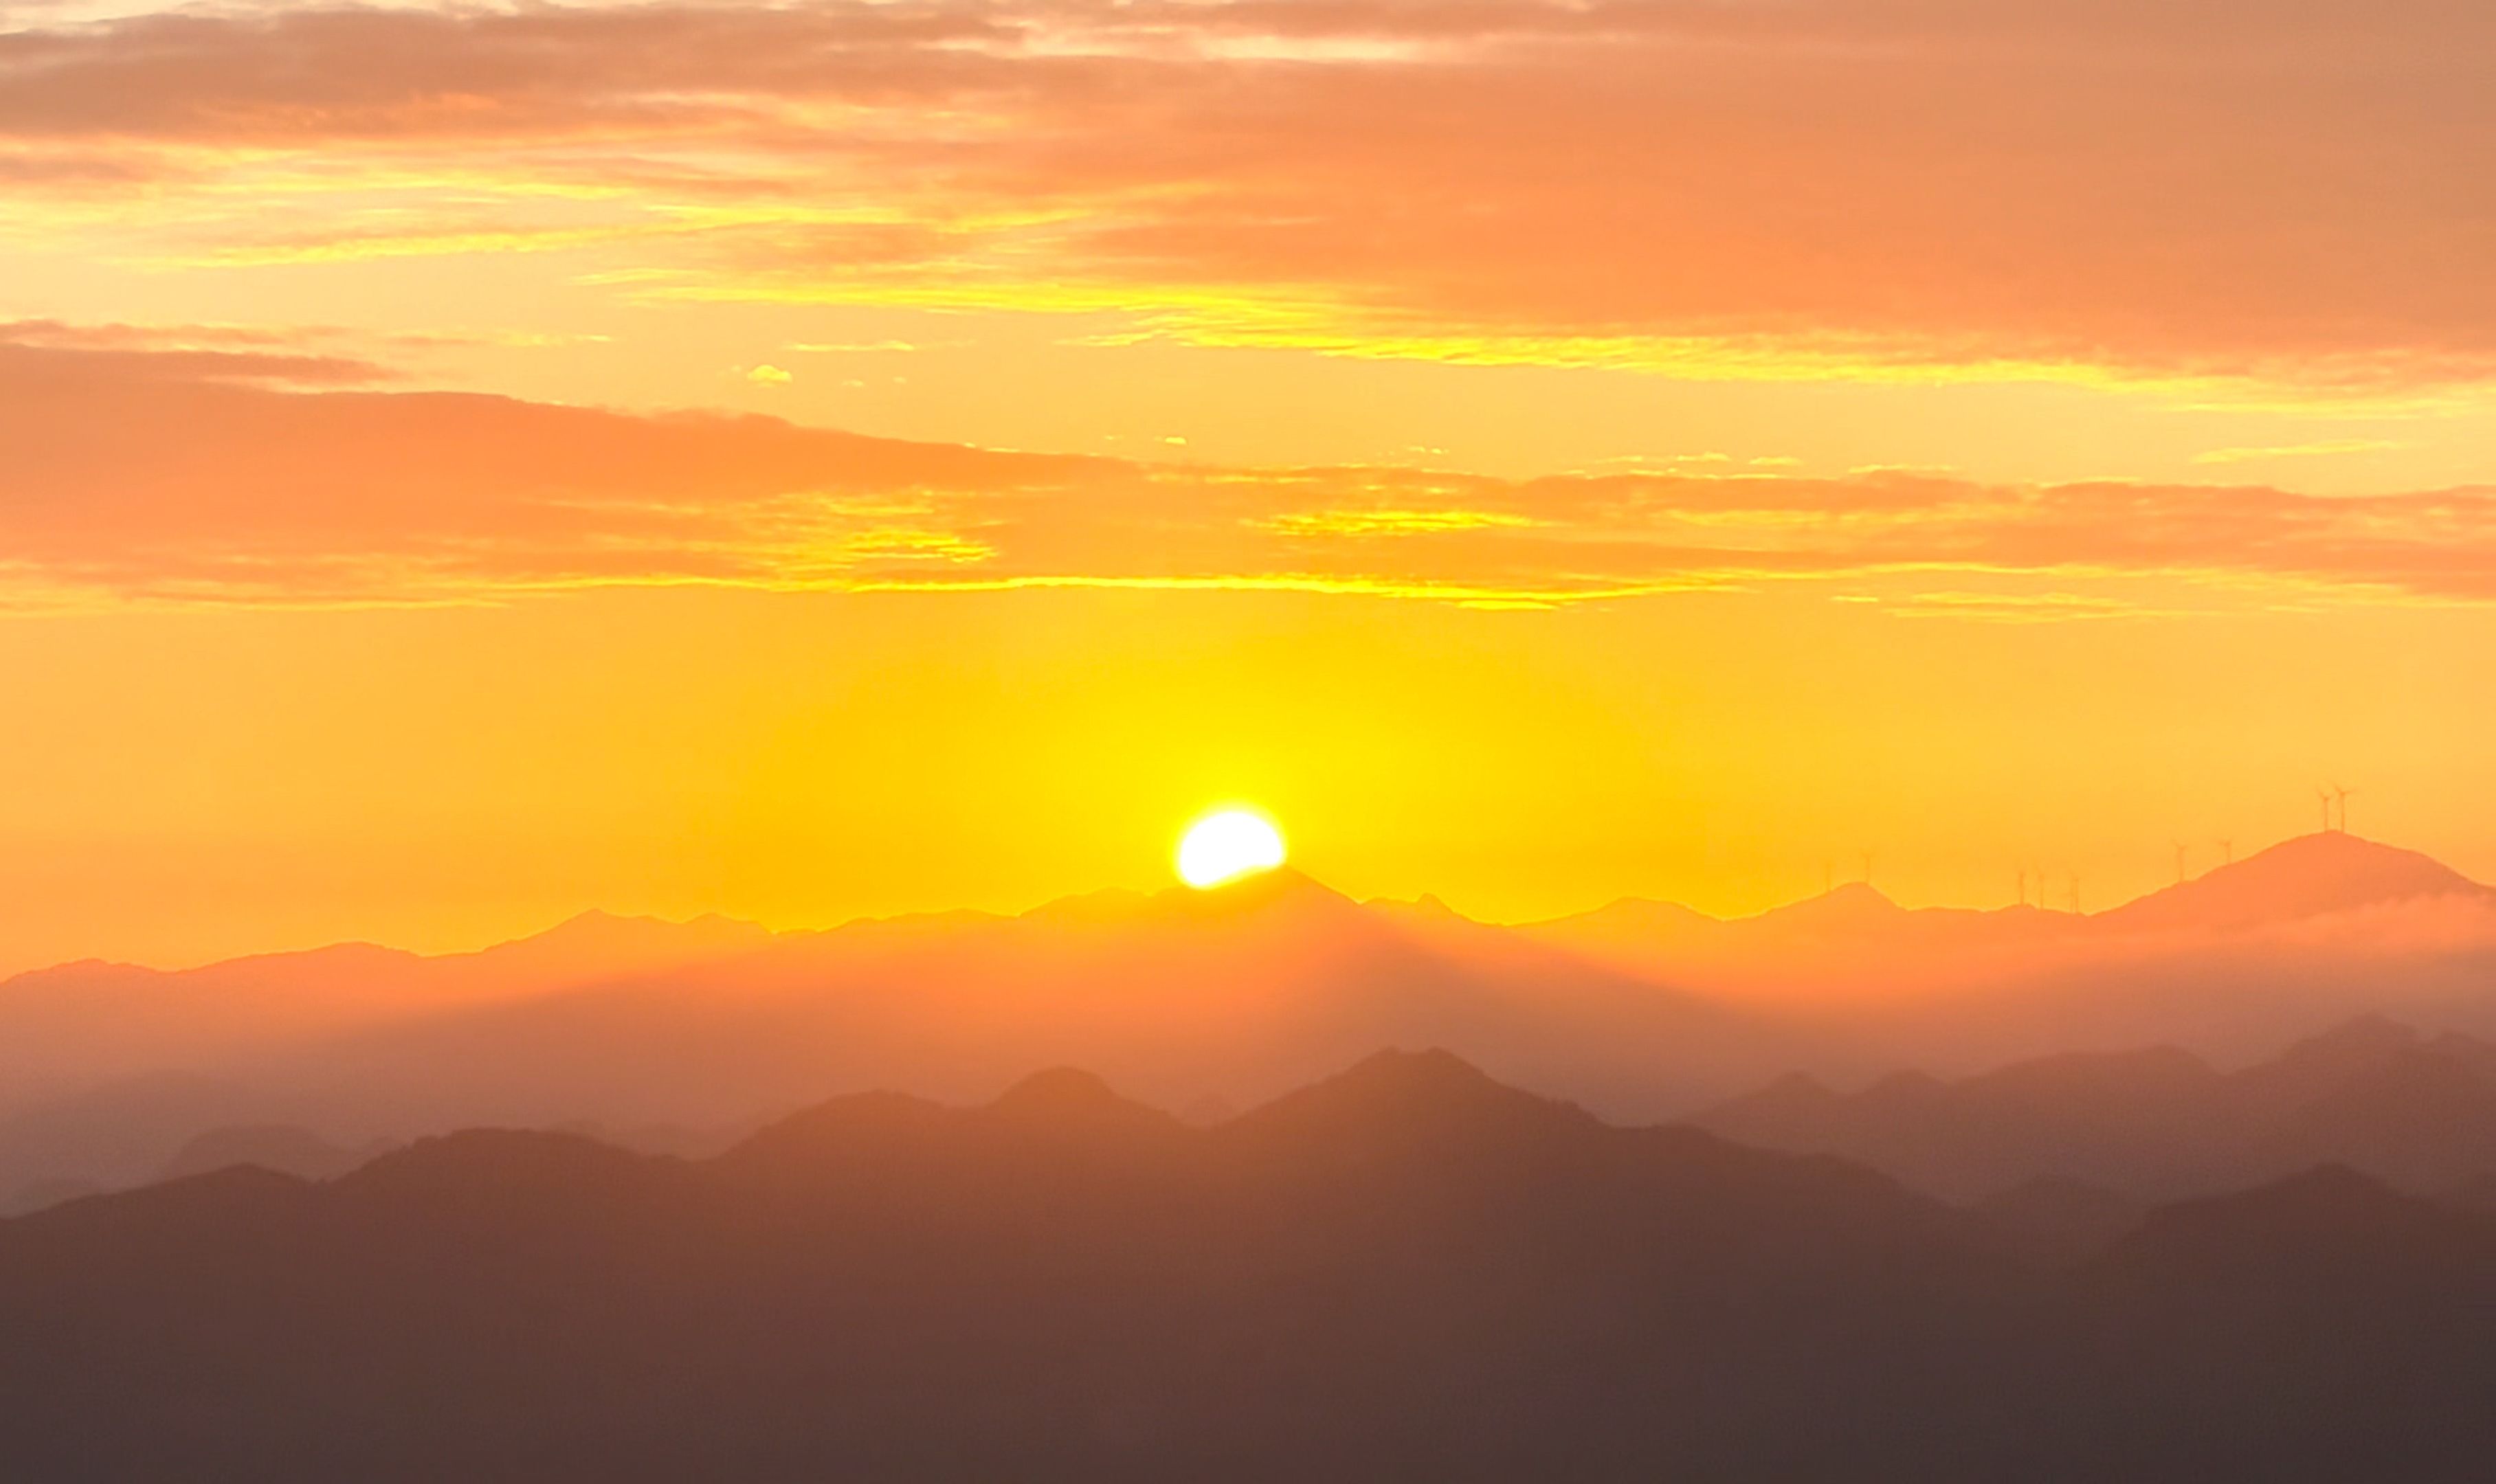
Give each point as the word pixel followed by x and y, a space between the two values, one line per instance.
pixel 2227 852
pixel 2325 795
pixel 2342 795
pixel 2076 893
pixel 2179 861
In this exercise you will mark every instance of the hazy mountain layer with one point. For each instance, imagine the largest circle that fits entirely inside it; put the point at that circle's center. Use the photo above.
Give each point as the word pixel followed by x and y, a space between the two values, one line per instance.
pixel 2416 1111
pixel 1642 1011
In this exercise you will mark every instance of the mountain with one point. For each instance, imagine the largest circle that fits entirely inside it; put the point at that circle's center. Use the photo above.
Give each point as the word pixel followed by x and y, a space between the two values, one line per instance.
pixel 43 1195
pixel 83 1024
pixel 1059 1285
pixel 2318 1328
pixel 78 1025
pixel 1234 992
pixel 2059 1221
pixel 279 1147
pixel 2232 964
pixel 2312 876
pixel 1829 948
pixel 107 1070
pixel 1198 999
pixel 2413 1111
pixel 1827 936
pixel 1405 1270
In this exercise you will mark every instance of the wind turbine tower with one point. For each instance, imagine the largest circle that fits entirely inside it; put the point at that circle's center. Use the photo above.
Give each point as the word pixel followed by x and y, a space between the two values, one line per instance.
pixel 2179 861
pixel 2227 852
pixel 2325 795
pixel 2342 795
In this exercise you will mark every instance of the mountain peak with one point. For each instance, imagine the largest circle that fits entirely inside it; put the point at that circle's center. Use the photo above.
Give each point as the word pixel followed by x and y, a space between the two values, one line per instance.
pixel 1283 892
pixel 1428 907
pixel 1854 904
pixel 1397 1095
pixel 2306 876
pixel 2329 1208
pixel 1280 883
pixel 1065 1101
pixel 2368 1035
pixel 1282 886
pixel 1431 1070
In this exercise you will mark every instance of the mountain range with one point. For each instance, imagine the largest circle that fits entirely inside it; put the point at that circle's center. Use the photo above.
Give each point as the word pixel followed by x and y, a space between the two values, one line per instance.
pixel 1405 1270
pixel 1641 1010
pixel 2413 1111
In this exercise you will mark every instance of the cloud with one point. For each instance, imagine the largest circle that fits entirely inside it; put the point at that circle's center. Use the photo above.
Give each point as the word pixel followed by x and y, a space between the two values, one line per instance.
pixel 148 473
pixel 1384 522
pixel 852 348
pixel 190 354
pixel 2323 450
pixel 1870 188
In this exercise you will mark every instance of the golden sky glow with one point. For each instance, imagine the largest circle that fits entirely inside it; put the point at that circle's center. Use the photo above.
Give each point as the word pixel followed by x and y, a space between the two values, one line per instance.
pixel 468 464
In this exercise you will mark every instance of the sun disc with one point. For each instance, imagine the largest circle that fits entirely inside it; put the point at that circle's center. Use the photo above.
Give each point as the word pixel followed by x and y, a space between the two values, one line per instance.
pixel 1228 844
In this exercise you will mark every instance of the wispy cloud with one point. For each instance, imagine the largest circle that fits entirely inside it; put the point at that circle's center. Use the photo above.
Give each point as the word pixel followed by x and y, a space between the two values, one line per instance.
pixel 1381 522
pixel 852 347
pixel 2323 450
pixel 270 478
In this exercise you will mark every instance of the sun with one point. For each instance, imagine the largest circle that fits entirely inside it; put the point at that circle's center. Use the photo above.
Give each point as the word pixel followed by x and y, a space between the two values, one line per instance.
pixel 1227 845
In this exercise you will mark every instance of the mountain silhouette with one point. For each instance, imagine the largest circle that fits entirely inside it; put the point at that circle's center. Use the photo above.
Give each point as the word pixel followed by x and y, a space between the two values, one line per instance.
pixel 1221 999
pixel 2311 876
pixel 2416 1111
pixel 1405 1270
pixel 279 1147
pixel 2060 1222
pixel 1235 993
pixel 2323 1326
pixel 91 1022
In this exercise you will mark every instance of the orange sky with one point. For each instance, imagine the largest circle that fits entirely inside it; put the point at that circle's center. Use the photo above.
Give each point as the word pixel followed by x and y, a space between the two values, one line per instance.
pixel 467 465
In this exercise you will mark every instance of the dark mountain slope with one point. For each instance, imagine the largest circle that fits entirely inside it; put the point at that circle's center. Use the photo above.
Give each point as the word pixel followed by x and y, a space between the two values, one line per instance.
pixel 1409 1272
pixel 2321 1328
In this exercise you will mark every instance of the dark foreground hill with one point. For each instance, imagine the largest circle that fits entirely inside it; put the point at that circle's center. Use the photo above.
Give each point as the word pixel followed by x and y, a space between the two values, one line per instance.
pixel 1407 1272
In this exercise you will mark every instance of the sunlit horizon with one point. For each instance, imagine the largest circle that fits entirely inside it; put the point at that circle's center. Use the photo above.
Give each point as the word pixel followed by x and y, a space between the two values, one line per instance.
pixel 467 465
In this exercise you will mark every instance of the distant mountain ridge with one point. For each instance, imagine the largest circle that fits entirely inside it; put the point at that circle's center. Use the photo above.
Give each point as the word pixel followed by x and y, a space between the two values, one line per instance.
pixel 109 1019
pixel 2414 1110
pixel 1642 1011
pixel 2306 876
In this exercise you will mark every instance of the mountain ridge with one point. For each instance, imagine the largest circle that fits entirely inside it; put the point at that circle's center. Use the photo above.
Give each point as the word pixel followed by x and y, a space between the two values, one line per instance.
pixel 2414 1111
pixel 1348 1283
pixel 2356 873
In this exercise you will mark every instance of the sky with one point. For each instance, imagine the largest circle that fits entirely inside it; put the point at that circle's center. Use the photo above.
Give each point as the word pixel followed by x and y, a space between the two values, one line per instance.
pixel 463 465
